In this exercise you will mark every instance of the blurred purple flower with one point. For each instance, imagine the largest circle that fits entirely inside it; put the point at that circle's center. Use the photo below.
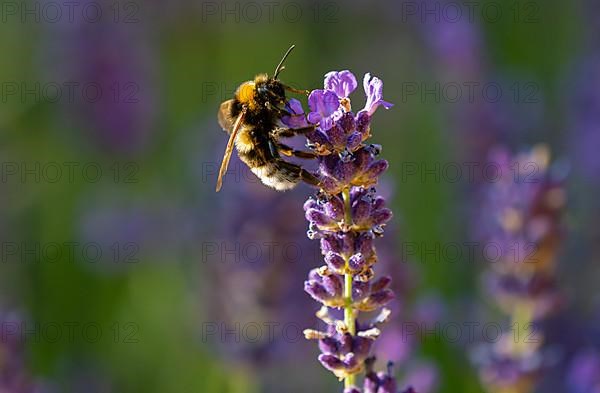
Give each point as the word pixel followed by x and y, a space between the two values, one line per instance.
pixel 14 376
pixel 584 373
pixel 505 372
pixel 132 232
pixel 521 211
pixel 456 44
pixel 258 259
pixel 112 71
pixel 585 118
pixel 423 377
pixel 125 116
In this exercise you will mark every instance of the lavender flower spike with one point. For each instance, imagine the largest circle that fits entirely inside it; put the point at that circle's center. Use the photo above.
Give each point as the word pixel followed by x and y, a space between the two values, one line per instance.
pixel 346 216
pixel 522 212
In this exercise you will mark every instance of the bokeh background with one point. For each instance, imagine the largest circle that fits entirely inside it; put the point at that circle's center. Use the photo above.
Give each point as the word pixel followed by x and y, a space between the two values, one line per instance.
pixel 123 271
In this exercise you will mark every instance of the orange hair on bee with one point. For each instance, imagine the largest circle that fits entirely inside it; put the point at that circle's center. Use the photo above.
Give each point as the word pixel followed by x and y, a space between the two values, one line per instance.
pixel 245 94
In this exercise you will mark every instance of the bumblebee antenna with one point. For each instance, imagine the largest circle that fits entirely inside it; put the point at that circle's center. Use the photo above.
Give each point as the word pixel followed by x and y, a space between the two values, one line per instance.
pixel 280 66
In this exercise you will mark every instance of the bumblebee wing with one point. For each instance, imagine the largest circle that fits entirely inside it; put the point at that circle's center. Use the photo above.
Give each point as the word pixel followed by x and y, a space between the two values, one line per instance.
pixel 225 120
pixel 229 149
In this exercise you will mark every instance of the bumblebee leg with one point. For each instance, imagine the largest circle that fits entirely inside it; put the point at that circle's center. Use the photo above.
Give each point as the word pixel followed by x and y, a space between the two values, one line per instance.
pixel 273 149
pixel 300 173
pixel 297 91
pixel 309 178
pixel 290 132
pixel 288 151
pixel 280 111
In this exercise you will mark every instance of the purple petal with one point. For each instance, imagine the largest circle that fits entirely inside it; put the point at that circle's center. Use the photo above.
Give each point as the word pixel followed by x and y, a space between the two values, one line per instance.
pixel 378 299
pixel 347 241
pixel 345 171
pixel 354 141
pixel 323 104
pixel 362 160
pixel 335 208
pixel 381 283
pixel 361 346
pixel 331 362
pixel 364 243
pixel 314 117
pixel 334 286
pixel 360 290
pixel 298 118
pixel 335 262
pixel 381 216
pixel 318 217
pixel 388 384
pixel 326 123
pixel 330 244
pixel 329 346
pixel 346 342
pixel 351 361
pixel 363 121
pixel 330 185
pixel 357 262
pixel 347 122
pixel 342 83
pixel 361 211
pixel 328 165
pixel 376 169
pixel 317 291
pixel 371 383
pixel 374 90
pixel 314 275
pixel 295 121
pixel 337 137
pixel 294 106
pixel 318 137
pixel 310 204
pixel 378 203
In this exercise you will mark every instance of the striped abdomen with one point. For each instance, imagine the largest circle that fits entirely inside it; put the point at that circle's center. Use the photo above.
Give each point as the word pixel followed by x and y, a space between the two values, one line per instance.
pixel 254 149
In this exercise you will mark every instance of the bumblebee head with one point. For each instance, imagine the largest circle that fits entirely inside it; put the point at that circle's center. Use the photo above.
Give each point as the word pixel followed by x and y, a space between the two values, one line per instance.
pixel 264 91
pixel 269 91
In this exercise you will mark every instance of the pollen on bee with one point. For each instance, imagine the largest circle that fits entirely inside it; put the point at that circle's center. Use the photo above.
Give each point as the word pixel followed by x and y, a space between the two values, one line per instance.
pixel 245 93
pixel 244 142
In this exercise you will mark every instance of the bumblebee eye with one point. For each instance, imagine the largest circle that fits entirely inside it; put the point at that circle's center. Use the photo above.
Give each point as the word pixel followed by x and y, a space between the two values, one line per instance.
pixel 273 95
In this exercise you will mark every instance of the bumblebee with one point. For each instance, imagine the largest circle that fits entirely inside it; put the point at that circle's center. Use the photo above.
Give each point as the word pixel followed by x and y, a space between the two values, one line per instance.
pixel 252 118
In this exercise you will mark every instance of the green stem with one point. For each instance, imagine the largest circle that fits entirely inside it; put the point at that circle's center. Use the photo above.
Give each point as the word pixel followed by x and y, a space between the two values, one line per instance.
pixel 522 317
pixel 522 320
pixel 349 315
